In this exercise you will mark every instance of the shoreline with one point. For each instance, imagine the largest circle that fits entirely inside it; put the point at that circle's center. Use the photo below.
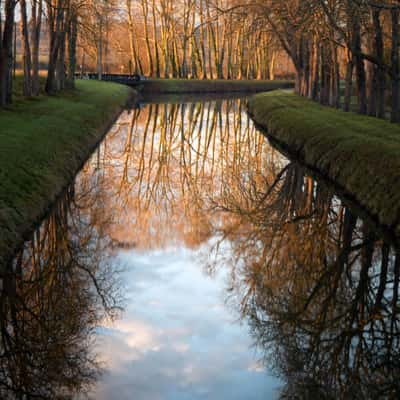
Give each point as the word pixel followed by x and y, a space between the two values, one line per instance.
pixel 199 86
pixel 61 132
pixel 358 154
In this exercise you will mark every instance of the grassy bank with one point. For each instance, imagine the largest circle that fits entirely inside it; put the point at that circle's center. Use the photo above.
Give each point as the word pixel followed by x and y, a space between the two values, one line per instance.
pixel 211 86
pixel 360 154
pixel 43 143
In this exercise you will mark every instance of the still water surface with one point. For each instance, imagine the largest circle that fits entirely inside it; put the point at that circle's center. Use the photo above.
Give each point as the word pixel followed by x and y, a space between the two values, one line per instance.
pixel 191 260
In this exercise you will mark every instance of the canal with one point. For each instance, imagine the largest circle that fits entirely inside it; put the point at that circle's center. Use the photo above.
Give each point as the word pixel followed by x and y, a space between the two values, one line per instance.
pixel 191 259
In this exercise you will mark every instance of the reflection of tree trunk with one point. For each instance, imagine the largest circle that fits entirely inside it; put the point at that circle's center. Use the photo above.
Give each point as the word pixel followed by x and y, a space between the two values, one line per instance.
pixel 396 282
pixel 382 276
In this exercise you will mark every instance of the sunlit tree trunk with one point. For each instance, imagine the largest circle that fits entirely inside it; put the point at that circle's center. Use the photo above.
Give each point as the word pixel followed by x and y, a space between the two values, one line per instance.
pixel 72 41
pixel 37 11
pixel 55 16
pixel 26 50
pixel 155 40
pixel 145 11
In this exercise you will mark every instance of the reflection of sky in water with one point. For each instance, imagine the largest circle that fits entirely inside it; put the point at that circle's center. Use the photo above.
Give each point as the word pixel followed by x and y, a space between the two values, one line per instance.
pixel 177 338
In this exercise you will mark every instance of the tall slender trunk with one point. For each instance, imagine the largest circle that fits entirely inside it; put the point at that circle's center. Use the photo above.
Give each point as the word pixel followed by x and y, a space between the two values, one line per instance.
pixel 145 10
pixel 132 42
pixel 72 40
pixel 348 82
pixel 395 115
pixel 100 50
pixel 380 76
pixel 55 15
pixel 37 10
pixel 26 51
pixel 61 72
pixel 155 41
pixel 6 53
pixel 359 64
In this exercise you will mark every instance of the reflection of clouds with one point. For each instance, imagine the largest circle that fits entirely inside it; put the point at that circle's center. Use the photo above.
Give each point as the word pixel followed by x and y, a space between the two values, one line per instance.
pixel 177 340
pixel 139 335
pixel 256 366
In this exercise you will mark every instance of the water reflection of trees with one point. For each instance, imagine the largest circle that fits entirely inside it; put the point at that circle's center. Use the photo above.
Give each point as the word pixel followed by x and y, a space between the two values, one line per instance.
pixel 319 287
pixel 318 284
pixel 170 160
pixel 56 292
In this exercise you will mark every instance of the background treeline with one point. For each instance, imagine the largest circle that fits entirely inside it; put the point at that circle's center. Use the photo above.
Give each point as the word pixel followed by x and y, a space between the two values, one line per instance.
pixel 179 39
pixel 343 53
pixel 330 40
pixel 197 39
pixel 61 18
pixel 158 38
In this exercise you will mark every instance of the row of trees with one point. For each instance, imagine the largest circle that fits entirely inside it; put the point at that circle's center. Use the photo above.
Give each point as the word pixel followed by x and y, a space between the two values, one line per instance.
pixel 326 41
pixel 196 38
pixel 61 17
pixel 330 39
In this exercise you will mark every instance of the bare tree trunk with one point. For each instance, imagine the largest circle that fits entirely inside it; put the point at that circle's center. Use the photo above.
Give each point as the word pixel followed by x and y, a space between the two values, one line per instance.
pixel 359 64
pixel 55 15
pixel 371 88
pixel 37 10
pixel 26 51
pixel 349 82
pixel 6 53
pixel 72 39
pixel 145 10
pixel 271 66
pixel 379 71
pixel 100 50
pixel 155 45
pixel 203 35
pixel 395 115
pixel 61 72
pixel 132 42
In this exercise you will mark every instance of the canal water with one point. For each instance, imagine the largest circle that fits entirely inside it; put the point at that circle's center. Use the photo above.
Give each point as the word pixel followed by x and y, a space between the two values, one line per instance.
pixel 190 259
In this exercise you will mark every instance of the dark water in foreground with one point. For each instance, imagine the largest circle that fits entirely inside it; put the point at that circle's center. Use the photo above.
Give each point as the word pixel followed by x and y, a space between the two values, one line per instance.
pixel 191 260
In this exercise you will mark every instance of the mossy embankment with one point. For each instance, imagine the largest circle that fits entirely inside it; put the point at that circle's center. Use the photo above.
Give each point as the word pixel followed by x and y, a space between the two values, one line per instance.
pixel 175 86
pixel 43 143
pixel 359 154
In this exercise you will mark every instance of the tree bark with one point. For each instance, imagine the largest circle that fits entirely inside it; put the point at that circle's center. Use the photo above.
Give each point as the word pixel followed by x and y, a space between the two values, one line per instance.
pixel 395 115
pixel 72 40
pixel 380 76
pixel 37 10
pixel 55 15
pixel 6 53
pixel 26 51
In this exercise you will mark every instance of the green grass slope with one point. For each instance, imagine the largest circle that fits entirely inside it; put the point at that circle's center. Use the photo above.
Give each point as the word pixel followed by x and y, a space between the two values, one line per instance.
pixel 361 154
pixel 43 143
